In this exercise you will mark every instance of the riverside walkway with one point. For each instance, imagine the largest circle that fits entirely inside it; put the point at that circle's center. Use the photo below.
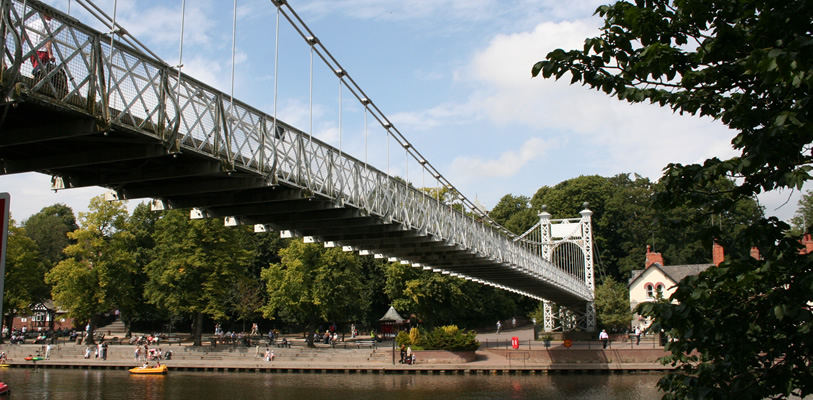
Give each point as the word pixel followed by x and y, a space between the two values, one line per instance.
pixel 496 356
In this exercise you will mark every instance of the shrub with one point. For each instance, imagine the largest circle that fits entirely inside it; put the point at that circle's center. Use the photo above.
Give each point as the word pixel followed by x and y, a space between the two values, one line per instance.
pixel 403 339
pixel 450 338
pixel 415 336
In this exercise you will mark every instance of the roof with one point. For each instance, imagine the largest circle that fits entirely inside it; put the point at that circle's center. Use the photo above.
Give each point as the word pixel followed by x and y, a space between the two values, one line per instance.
pixel 392 315
pixel 674 272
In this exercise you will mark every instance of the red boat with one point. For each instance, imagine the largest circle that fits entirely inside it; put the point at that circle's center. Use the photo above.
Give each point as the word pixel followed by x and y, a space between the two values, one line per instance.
pixel 4 390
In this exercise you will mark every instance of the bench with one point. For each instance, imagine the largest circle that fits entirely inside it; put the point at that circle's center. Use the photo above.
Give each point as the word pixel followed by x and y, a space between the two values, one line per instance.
pixel 211 357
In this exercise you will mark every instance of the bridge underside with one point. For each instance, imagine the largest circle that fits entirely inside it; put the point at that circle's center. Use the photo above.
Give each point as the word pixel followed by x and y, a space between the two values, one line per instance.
pixel 38 137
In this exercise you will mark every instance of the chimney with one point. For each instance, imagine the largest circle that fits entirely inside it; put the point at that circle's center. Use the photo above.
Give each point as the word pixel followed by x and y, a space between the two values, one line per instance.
pixel 755 253
pixel 717 254
pixel 808 243
pixel 652 258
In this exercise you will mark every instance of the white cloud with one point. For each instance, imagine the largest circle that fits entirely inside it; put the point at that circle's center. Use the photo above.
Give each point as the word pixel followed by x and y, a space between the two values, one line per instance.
pixel 608 135
pixel 469 168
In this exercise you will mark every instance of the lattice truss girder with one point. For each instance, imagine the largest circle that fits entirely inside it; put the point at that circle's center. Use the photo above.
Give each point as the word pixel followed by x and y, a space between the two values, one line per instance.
pixel 127 88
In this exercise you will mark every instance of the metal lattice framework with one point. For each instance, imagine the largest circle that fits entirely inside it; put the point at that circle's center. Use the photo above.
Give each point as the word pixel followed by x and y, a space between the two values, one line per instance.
pixel 121 118
pixel 568 244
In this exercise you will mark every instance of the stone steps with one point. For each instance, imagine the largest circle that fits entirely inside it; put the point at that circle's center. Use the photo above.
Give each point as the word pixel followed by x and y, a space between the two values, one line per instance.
pixel 126 353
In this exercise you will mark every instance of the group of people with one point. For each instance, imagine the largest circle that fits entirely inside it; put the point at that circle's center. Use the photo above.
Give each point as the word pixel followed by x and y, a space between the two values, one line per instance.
pixel 146 353
pixel 407 357
pixel 604 337
pixel 513 324
pixel 99 350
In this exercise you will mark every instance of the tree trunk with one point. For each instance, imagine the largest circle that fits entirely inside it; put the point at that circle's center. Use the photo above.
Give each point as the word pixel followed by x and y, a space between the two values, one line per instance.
pixel 198 329
pixel 8 323
pixel 309 334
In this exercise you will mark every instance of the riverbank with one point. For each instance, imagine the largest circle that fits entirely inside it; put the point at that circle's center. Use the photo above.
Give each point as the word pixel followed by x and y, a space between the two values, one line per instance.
pixel 495 357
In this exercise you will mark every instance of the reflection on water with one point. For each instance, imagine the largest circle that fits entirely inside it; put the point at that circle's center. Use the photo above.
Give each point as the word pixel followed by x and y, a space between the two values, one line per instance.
pixel 81 384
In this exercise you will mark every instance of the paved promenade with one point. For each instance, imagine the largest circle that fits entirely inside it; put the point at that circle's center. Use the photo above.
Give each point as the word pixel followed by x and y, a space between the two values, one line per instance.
pixel 496 356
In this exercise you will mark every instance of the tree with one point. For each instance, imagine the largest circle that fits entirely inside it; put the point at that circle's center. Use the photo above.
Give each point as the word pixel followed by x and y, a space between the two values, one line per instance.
pixel 25 275
pixel 514 213
pixel 803 217
pixel 742 329
pixel 313 285
pixel 141 225
pixel 97 274
pixel 50 228
pixel 195 263
pixel 431 297
pixel 246 298
pixel 613 305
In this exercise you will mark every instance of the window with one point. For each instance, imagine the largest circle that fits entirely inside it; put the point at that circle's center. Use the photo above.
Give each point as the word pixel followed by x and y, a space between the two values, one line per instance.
pixel 659 289
pixel 650 292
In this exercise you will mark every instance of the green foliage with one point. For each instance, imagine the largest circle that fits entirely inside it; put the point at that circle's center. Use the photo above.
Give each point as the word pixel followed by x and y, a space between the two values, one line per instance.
pixel 435 299
pixel 741 330
pixel 141 225
pixel 613 305
pixel 415 336
pixel 803 218
pixel 49 228
pixel 194 265
pixel 514 213
pixel 97 275
pixel 312 285
pixel 402 339
pixel 450 338
pixel 25 274
pixel 625 221
pixel 538 314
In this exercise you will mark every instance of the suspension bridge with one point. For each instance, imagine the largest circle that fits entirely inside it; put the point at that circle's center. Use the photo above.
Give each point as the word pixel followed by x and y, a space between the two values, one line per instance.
pixel 108 112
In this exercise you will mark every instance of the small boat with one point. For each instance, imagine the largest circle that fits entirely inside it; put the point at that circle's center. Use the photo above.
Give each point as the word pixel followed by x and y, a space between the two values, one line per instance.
pixel 150 370
pixel 35 358
pixel 4 390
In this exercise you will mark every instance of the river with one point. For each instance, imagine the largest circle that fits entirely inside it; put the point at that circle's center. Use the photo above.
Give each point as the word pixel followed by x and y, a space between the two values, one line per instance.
pixel 31 384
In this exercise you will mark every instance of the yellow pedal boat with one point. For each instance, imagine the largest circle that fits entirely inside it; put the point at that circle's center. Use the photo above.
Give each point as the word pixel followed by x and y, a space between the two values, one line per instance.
pixel 150 370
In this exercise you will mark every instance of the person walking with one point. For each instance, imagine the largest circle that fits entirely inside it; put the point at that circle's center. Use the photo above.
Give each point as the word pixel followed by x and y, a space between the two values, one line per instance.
pixel 604 337
pixel 637 335
pixel 499 325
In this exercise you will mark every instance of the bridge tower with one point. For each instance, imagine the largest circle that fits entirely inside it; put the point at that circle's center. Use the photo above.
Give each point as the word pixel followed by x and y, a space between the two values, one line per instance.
pixel 568 244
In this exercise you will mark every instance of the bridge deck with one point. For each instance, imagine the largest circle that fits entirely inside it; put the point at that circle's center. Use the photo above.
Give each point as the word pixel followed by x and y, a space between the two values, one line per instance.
pixel 151 135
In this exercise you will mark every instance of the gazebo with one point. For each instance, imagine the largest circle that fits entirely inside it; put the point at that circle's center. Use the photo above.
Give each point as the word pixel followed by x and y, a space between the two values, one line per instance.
pixel 390 322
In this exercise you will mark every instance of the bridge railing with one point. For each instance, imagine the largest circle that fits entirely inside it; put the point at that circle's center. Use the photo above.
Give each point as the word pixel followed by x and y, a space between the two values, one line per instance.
pixel 125 88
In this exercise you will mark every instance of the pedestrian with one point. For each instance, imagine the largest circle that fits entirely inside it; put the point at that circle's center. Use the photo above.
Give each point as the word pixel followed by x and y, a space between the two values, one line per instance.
pixel 48 351
pixel 39 33
pixel 499 325
pixel 514 323
pixel 637 335
pixel 604 337
pixel 409 355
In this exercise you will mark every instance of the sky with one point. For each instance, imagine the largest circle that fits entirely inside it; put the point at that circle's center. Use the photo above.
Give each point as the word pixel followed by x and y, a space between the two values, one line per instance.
pixel 453 76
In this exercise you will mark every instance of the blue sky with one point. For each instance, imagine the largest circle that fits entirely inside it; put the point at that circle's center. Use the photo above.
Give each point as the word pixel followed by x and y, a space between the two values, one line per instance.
pixel 452 75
